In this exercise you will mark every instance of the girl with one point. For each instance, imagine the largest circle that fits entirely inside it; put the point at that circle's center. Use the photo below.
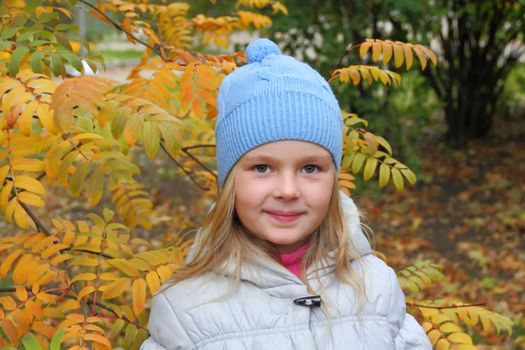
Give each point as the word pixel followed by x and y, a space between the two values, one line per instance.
pixel 281 261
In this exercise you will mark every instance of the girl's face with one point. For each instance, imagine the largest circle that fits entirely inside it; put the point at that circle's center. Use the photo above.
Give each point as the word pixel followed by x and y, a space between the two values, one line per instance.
pixel 283 190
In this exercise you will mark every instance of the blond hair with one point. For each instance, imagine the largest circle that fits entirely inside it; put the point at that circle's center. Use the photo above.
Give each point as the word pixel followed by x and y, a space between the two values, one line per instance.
pixel 224 242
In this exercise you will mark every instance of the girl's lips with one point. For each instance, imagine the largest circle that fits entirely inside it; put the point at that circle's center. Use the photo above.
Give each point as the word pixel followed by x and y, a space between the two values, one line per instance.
pixel 284 217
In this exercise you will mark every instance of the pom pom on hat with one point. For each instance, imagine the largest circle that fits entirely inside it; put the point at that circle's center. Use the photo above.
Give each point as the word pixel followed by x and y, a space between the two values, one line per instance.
pixel 260 48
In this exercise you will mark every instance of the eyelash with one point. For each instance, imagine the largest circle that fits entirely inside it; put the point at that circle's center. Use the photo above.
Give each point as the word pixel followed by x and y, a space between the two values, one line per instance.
pixel 257 167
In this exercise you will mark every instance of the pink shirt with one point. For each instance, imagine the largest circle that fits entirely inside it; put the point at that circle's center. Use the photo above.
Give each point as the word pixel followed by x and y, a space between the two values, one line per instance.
pixel 292 260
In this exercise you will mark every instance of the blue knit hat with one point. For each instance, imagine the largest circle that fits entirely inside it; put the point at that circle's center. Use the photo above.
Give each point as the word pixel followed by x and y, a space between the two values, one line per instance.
pixel 274 98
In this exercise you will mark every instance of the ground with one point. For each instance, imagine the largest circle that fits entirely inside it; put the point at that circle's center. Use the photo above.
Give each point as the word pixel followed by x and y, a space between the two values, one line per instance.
pixel 467 213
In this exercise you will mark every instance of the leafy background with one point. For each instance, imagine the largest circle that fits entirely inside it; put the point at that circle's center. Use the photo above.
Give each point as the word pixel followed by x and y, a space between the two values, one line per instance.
pixel 103 181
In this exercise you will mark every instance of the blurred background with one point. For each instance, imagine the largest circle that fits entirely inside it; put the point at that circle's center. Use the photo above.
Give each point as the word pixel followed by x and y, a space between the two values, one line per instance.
pixel 460 126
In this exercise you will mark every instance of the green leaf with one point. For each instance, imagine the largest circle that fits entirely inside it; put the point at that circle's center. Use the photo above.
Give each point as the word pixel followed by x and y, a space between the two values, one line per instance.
pixel 19 21
pixel 30 6
pixel 5 44
pixel 38 42
pixel 384 174
pixel 77 180
pixel 95 188
pixel 117 327
pixel 62 40
pixel 56 64
pixel 73 60
pixel 151 139
pixel 370 168
pixel 384 143
pixel 108 214
pixel 30 342
pixel 16 57
pixel 66 27
pixel 26 35
pixel 36 61
pixel 55 342
pixel 9 32
pixel 46 17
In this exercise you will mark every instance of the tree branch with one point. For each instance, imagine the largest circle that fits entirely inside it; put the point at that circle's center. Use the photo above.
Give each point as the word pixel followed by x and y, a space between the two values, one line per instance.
pixel 196 160
pixel 90 301
pixel 183 169
pixel 347 51
pixel 119 27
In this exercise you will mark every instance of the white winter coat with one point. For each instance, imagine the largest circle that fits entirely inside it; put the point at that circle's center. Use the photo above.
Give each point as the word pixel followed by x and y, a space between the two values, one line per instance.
pixel 261 314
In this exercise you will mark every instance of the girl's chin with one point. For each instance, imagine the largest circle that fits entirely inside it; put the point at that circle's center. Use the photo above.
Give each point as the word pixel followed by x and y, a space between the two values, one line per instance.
pixel 287 246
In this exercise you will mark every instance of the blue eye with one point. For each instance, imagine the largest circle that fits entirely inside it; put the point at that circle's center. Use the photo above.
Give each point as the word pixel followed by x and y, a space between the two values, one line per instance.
pixel 310 169
pixel 261 168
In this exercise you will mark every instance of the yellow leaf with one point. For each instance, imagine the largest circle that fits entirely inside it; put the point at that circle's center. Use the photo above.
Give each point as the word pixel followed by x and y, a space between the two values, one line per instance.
pixel 116 288
pixel 397 178
pixel 449 327
pixel 421 57
pixel 407 48
pixel 370 168
pixel 376 51
pixel 398 54
pixel 87 276
pixel 45 115
pixel 384 174
pixel 460 337
pixel 409 175
pixel 30 184
pixel 24 164
pixel 153 282
pixel 465 347
pixel 85 291
pixel 434 335
pixel 442 344
pixel 31 199
pixel 139 295
pixel 363 49
pixel 164 272
pixel 125 266
pixel 5 193
pixel 26 118
pixel 23 268
pixel 387 51
pixel 357 162
pixel 8 302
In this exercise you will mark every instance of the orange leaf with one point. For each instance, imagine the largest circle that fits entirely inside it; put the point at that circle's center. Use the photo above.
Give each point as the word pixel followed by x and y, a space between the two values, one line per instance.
pixel 4 268
pixel 98 339
pixel 139 295
pixel 21 293
pixel 8 302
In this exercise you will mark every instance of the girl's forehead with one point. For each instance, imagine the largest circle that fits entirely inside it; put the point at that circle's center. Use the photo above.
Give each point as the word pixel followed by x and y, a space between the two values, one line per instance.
pixel 288 149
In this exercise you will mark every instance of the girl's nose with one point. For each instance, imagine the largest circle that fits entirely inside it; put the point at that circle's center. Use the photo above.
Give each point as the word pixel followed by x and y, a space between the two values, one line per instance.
pixel 286 187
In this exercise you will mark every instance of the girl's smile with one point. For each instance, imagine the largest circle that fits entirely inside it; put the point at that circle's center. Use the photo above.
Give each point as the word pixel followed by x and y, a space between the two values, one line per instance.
pixel 283 216
pixel 283 190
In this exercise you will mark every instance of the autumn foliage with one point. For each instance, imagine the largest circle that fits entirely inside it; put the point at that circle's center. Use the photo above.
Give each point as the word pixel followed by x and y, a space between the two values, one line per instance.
pixel 84 282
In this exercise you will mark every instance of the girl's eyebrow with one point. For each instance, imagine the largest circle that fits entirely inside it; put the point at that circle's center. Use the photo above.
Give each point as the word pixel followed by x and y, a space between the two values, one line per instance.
pixel 306 158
